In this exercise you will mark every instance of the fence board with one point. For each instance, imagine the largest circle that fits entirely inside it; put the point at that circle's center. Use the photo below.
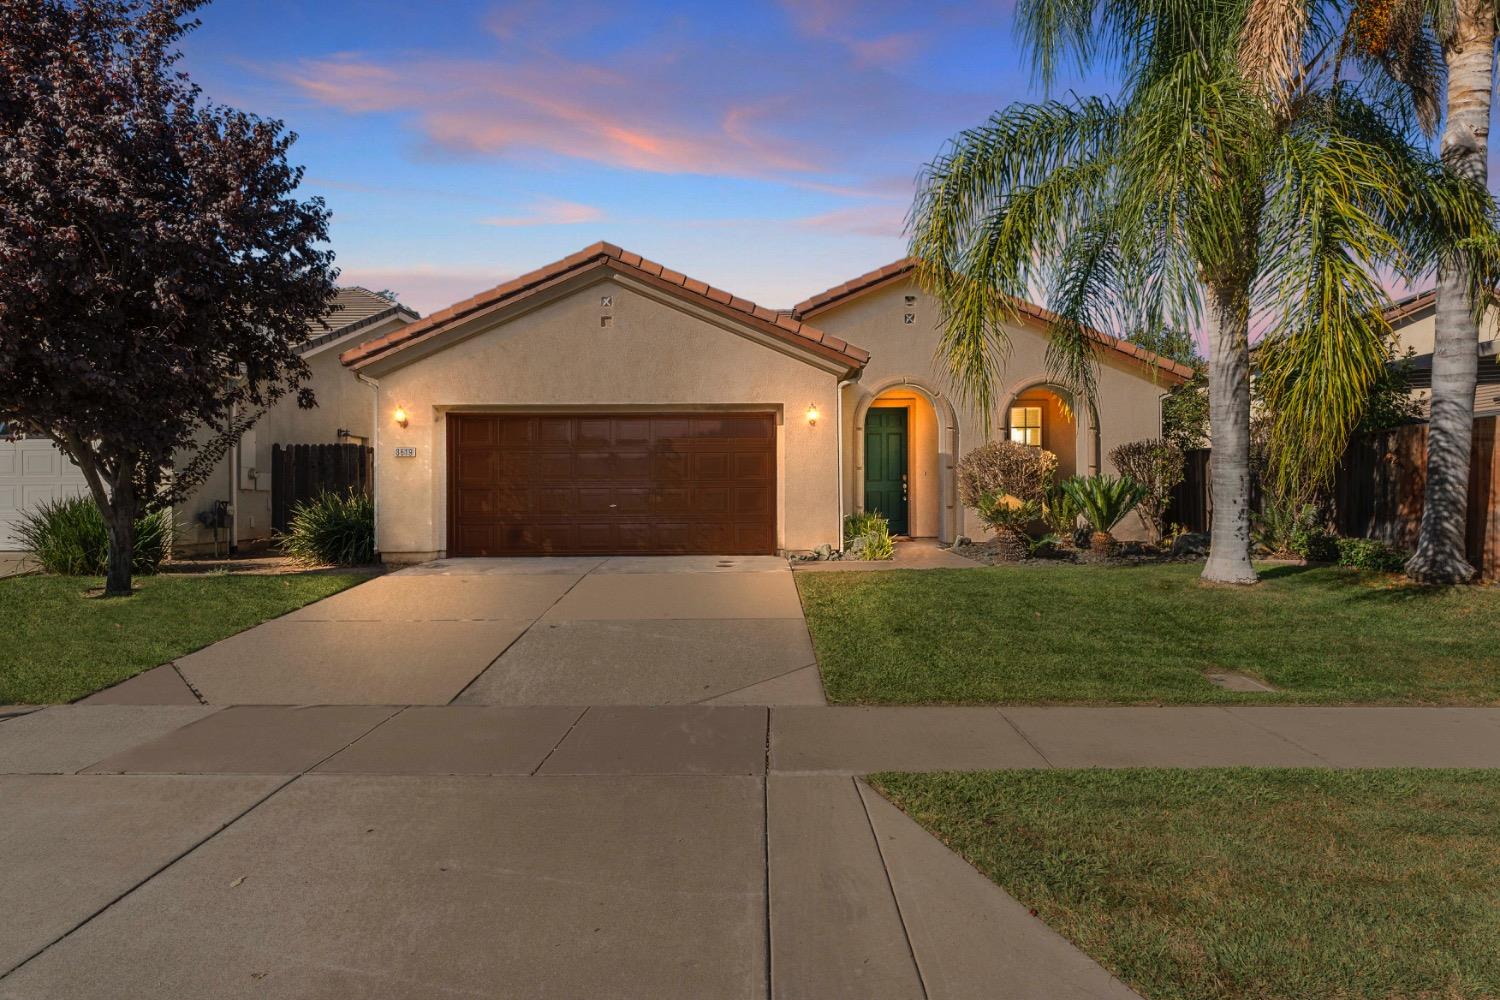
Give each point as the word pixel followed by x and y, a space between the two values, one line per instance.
pixel 1378 492
pixel 300 472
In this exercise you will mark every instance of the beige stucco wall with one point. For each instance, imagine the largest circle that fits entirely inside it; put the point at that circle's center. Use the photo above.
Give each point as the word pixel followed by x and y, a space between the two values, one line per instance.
pixel 657 353
pixel 902 354
pixel 1417 334
pixel 344 403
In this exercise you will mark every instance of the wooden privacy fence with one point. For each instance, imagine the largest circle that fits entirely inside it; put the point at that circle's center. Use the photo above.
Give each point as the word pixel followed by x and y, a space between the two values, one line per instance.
pixel 299 472
pixel 1378 491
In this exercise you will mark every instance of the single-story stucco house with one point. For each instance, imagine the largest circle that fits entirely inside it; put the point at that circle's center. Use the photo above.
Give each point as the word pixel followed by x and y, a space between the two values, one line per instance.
pixel 606 404
pixel 33 470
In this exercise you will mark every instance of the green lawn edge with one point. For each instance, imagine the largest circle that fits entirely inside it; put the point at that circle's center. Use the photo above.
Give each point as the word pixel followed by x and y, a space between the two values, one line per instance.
pixel 61 644
pixel 1146 635
pixel 1243 883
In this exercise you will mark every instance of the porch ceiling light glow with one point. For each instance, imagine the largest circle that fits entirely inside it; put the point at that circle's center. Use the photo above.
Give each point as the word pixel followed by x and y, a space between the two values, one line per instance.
pixel 400 415
pixel 812 414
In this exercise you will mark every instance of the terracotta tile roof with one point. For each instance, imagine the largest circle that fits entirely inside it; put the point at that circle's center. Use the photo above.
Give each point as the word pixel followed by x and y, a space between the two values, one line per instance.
pixel 782 325
pixel 900 269
pixel 354 308
pixel 1411 305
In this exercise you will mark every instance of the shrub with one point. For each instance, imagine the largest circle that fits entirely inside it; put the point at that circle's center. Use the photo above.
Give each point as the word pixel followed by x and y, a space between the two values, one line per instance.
pixel 68 537
pixel 1158 466
pixel 332 528
pixel 1103 500
pixel 1061 513
pixel 1001 512
pixel 1370 553
pixel 862 523
pixel 1287 528
pixel 867 536
pixel 1001 468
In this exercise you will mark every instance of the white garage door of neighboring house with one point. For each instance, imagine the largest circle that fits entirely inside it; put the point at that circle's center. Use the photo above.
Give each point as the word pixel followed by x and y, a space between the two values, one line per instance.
pixel 32 470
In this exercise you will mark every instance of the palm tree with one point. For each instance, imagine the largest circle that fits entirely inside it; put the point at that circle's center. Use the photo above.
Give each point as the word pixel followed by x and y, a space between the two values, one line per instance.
pixel 1235 176
pixel 1399 36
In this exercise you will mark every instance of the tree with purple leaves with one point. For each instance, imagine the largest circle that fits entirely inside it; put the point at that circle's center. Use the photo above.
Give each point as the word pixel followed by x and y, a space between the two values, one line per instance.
pixel 157 271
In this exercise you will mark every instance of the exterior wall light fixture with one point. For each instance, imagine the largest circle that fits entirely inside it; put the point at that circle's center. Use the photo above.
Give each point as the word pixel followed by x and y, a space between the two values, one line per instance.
pixel 400 415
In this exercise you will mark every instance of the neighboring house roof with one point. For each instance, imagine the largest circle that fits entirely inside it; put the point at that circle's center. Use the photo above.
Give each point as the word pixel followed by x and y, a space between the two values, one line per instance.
pixel 354 308
pixel 1412 305
pixel 902 269
pixel 780 325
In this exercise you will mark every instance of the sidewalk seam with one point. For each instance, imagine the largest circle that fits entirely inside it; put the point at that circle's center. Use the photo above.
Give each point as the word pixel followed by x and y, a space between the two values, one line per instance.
pixel 890 885
pixel 522 634
pixel 765 848
pixel 183 677
pixel 150 876
pixel 317 764
pixel 1029 742
pixel 1280 736
pixel 764 680
pixel 566 733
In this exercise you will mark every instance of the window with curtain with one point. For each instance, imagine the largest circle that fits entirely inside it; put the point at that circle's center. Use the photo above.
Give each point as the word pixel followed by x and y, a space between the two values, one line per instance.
pixel 1026 425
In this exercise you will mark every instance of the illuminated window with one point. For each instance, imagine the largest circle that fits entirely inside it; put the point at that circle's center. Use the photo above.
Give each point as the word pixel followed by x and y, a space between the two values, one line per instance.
pixel 1026 425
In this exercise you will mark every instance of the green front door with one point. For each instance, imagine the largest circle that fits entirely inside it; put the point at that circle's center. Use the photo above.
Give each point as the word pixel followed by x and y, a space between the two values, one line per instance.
pixel 885 465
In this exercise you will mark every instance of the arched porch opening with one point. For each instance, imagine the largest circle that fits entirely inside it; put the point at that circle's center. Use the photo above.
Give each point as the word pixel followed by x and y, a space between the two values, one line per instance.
pixel 904 427
pixel 1041 414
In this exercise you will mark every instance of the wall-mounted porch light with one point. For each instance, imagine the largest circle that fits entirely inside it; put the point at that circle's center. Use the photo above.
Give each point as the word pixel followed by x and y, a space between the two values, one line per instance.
pixel 812 414
pixel 400 415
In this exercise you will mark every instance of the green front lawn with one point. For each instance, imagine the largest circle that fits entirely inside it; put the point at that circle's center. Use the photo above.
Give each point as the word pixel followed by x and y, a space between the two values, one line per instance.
pixel 1146 634
pixel 1244 884
pixel 59 644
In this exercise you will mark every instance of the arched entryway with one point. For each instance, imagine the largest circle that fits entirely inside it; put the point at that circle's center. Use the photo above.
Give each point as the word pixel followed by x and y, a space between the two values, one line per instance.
pixel 1041 414
pixel 905 447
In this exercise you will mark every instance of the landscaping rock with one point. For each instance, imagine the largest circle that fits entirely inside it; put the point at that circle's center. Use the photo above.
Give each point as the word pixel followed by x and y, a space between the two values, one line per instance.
pixel 1194 543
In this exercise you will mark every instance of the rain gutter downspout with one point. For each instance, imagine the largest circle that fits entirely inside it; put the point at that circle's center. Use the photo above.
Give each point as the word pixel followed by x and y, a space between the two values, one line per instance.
pixel 838 425
pixel 374 385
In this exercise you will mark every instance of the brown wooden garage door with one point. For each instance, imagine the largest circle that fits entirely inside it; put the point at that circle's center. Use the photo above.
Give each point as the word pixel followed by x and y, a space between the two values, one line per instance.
pixel 611 483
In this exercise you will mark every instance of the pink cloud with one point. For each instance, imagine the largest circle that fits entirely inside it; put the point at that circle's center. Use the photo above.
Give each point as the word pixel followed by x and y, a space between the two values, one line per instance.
pixel 818 110
pixel 862 220
pixel 584 112
pixel 846 22
pixel 549 212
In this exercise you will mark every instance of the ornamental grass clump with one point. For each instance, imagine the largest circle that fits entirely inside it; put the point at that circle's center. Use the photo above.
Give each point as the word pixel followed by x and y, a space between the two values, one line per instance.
pixel 68 537
pixel 867 536
pixel 336 529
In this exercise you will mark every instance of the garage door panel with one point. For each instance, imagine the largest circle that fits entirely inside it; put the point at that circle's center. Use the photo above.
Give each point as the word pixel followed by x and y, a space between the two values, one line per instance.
pixel 593 430
pixel 752 466
pixel 555 430
pixel 711 466
pixel 601 484
pixel 752 500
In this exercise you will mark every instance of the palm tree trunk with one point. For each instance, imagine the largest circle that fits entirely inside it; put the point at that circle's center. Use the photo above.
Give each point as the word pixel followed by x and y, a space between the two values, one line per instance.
pixel 1228 328
pixel 1439 558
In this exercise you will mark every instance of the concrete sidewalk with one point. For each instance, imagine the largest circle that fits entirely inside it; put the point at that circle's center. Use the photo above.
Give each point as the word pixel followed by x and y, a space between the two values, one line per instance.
pixel 610 851
pixel 743 740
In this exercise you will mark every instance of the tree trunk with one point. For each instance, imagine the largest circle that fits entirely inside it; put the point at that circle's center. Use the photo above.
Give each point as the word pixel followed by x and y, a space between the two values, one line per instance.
pixel 121 527
pixel 1228 328
pixel 1455 358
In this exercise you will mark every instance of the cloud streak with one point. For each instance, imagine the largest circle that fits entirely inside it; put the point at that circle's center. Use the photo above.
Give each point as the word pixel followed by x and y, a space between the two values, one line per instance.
pixel 820 110
pixel 549 212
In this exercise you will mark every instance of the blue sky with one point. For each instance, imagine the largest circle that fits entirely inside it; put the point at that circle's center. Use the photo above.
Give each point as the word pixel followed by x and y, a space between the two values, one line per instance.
pixel 767 148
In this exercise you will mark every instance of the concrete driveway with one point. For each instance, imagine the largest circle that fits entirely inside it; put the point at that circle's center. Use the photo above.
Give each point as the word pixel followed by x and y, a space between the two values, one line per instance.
pixel 641 631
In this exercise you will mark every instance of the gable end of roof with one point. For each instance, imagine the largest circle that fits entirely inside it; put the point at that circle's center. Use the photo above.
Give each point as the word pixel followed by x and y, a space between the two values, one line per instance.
pixel 780 325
